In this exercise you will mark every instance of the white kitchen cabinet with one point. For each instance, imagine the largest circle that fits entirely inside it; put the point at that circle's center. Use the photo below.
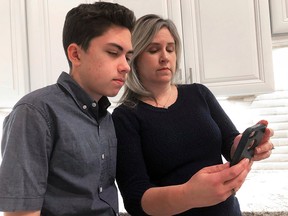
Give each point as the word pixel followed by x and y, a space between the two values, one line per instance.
pixel 45 20
pixel 228 45
pixel 279 22
pixel 279 16
pixel 13 56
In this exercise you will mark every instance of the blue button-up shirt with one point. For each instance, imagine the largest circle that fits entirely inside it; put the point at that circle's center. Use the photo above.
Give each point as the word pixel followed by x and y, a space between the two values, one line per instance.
pixel 59 153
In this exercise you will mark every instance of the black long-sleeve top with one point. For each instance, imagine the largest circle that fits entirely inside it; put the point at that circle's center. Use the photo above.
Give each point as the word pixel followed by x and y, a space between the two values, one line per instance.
pixel 161 147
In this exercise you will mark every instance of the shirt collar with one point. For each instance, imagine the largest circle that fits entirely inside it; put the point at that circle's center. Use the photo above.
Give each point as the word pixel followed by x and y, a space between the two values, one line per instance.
pixel 82 99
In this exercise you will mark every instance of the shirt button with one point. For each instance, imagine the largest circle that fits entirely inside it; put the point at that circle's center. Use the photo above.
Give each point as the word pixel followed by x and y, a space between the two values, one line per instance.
pixel 100 189
pixel 94 104
pixel 103 156
pixel 84 107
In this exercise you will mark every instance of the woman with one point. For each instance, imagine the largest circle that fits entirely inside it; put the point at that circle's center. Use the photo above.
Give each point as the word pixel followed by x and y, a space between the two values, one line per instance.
pixel 171 137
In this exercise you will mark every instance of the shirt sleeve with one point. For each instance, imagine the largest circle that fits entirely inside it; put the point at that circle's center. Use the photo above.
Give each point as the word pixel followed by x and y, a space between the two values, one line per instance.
pixel 24 167
pixel 131 175
pixel 228 129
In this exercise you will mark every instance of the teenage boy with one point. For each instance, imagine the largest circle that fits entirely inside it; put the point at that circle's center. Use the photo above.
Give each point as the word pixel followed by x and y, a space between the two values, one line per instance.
pixel 59 143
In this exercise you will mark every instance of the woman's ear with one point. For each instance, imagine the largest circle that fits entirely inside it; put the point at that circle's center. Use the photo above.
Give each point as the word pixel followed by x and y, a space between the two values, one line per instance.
pixel 73 53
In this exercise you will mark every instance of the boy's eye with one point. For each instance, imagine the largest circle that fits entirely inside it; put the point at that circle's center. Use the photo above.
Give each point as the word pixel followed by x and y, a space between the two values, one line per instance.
pixel 114 53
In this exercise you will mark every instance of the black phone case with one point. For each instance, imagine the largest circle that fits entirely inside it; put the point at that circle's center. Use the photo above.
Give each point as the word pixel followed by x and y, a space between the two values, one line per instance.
pixel 250 139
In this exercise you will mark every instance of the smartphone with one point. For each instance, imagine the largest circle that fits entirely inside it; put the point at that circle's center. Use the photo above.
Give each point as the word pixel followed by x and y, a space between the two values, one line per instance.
pixel 250 139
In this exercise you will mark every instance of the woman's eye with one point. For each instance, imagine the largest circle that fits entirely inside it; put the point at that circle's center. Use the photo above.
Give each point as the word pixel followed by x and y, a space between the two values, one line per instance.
pixel 152 51
pixel 170 49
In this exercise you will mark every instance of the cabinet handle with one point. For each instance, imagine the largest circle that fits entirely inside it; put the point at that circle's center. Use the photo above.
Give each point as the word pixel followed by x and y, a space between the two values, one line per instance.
pixel 179 76
pixel 190 76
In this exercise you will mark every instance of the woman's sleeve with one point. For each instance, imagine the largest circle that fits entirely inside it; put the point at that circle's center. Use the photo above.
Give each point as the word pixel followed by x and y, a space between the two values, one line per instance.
pixel 132 178
pixel 228 129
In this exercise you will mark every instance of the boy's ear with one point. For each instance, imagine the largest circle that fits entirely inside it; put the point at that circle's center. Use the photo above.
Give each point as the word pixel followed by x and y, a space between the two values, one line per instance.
pixel 73 52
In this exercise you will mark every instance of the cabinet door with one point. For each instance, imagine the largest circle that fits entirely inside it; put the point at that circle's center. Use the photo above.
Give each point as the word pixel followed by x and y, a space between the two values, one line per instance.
pixel 13 58
pixel 45 20
pixel 228 45
pixel 279 16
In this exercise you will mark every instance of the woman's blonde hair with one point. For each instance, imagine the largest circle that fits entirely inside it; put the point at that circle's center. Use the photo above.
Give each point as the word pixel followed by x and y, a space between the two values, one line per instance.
pixel 143 33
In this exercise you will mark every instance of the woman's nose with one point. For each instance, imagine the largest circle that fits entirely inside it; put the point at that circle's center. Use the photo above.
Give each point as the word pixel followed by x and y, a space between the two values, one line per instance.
pixel 164 57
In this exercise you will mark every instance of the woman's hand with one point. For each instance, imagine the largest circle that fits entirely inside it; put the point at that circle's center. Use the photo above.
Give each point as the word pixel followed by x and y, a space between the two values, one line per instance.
pixel 209 186
pixel 264 149
pixel 214 184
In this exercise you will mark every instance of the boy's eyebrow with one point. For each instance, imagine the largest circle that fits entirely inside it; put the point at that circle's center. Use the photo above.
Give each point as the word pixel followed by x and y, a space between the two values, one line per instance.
pixel 120 48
